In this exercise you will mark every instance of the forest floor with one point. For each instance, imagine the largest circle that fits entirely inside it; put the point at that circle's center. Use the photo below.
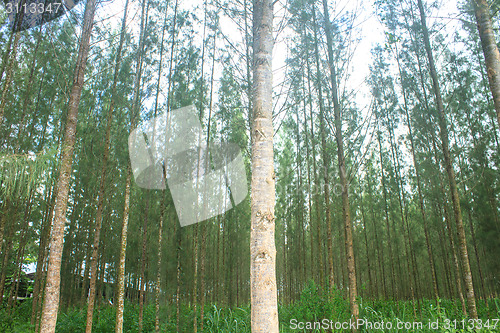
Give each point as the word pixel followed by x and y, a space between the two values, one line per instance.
pixel 311 313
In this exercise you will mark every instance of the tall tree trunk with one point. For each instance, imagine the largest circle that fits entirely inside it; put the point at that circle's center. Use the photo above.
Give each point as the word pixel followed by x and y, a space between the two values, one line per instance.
pixel 178 279
pixel 469 287
pixel 142 285
pixel 120 290
pixel 102 186
pixel 51 302
pixel 380 249
pixel 9 242
pixel 419 186
pixel 367 251
pixel 344 182
pixel 14 287
pixel 326 187
pixel 41 259
pixel 158 274
pixel 320 264
pixel 133 114
pixel 389 241
pixel 163 203
pixel 11 59
pixel 264 305
pixel 313 258
pixel 448 226
pixel 490 49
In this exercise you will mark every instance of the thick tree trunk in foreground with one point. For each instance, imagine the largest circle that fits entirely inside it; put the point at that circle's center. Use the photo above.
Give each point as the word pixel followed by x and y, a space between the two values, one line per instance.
pixel 455 199
pixel 51 301
pixel 346 212
pixel 264 298
pixel 490 50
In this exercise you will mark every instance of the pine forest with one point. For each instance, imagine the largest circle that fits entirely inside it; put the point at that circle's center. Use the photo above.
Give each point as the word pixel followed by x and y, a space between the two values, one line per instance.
pixel 249 166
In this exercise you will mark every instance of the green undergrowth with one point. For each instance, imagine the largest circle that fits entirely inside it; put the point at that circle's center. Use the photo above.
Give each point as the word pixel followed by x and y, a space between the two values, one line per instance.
pixel 314 306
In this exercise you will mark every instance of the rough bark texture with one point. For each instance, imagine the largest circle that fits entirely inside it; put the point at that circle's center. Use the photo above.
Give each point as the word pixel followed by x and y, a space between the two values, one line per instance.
pixel 51 301
pixel 490 50
pixel 455 199
pixel 264 300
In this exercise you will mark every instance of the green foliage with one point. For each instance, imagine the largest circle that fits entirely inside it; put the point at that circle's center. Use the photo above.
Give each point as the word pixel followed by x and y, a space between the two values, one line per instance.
pixel 19 174
pixel 18 321
pixel 227 320
pixel 313 306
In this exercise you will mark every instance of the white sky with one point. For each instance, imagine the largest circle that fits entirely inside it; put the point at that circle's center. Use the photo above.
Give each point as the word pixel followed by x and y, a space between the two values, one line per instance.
pixel 370 31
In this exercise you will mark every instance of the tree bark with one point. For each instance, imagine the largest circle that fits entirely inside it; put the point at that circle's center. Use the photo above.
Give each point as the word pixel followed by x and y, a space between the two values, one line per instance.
pixel 455 199
pixel 326 187
pixel 142 285
pixel 51 302
pixel 346 211
pixel 102 186
pixel 490 50
pixel 120 293
pixel 264 305
pixel 133 114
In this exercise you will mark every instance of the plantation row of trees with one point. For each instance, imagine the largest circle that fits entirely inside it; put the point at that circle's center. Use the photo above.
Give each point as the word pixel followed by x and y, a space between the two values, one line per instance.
pixel 393 200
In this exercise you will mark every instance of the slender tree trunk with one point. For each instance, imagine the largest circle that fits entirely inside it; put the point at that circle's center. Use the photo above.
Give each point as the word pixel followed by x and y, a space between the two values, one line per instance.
pixel 490 49
pixel 120 293
pixel 133 114
pixel 419 187
pixel 380 249
pixel 163 204
pixel 142 285
pixel 102 186
pixel 389 241
pixel 316 186
pixel 6 256
pixel 178 291
pixel 313 258
pixel 29 85
pixel 20 254
pixel 471 301
pixel 158 274
pixel 41 259
pixel 367 251
pixel 51 302
pixel 11 59
pixel 326 187
pixel 6 53
pixel 344 182
pixel 264 305
pixel 450 232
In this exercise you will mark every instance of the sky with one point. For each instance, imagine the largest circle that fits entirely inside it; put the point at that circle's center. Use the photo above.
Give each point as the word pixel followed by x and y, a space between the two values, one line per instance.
pixel 370 32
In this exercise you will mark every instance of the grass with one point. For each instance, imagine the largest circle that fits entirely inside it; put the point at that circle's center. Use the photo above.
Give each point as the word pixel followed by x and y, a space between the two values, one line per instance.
pixel 314 306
